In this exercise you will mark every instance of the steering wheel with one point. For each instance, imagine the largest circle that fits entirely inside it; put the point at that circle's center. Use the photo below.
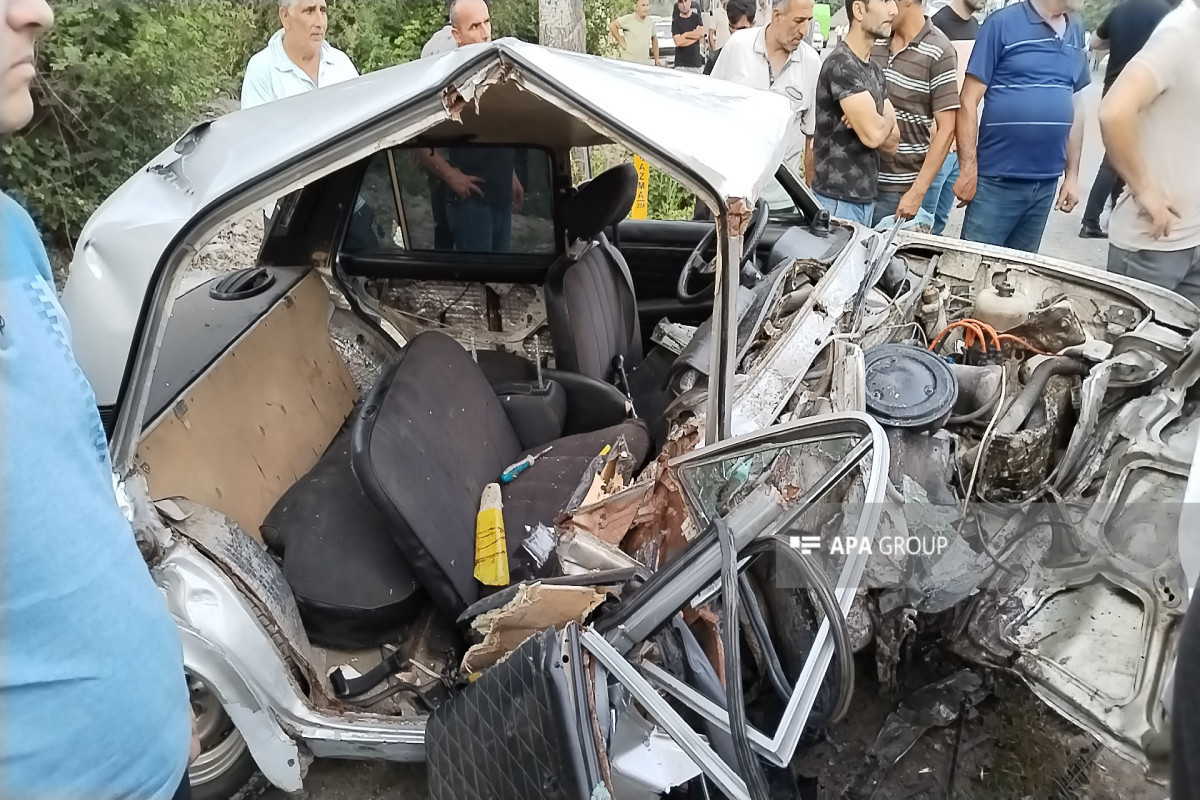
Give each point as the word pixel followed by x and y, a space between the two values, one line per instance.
pixel 696 264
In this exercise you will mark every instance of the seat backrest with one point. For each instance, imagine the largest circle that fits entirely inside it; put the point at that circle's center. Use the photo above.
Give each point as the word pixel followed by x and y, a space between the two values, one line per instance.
pixel 431 435
pixel 591 307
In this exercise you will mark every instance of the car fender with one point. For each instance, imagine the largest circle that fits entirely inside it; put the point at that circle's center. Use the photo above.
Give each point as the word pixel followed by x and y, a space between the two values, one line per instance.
pixel 220 638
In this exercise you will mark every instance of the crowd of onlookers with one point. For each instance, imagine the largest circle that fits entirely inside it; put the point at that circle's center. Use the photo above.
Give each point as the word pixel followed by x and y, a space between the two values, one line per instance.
pixel 915 109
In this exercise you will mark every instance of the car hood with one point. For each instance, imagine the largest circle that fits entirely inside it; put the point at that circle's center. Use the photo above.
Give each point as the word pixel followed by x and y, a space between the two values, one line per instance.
pixel 130 236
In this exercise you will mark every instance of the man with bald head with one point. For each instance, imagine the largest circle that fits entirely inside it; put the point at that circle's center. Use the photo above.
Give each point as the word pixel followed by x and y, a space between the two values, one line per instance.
pixel 476 188
pixel 297 58
pixel 777 58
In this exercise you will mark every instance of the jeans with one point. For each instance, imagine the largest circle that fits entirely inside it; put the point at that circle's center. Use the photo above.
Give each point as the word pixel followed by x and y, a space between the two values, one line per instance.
pixel 479 226
pixel 854 212
pixel 1177 270
pixel 1105 189
pixel 940 197
pixel 885 206
pixel 1010 212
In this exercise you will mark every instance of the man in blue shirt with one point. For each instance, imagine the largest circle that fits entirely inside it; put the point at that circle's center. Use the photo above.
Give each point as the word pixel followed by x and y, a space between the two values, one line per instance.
pixel 1028 66
pixel 93 702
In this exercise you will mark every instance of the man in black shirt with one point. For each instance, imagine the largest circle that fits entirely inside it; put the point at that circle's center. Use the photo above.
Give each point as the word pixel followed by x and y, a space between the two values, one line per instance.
pixel 1122 33
pixel 740 14
pixel 854 117
pixel 688 30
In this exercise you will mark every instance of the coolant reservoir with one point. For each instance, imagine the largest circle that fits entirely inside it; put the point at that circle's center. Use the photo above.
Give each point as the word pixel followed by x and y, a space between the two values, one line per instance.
pixel 1003 305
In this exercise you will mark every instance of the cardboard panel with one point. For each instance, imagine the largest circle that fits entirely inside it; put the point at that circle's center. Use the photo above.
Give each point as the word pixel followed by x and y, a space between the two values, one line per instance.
pixel 259 418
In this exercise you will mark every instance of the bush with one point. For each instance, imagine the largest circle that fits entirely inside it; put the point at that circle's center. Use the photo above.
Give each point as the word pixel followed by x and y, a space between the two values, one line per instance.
pixel 122 79
pixel 119 82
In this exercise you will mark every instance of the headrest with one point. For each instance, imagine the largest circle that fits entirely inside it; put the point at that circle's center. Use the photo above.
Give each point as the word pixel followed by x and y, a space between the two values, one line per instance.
pixel 603 201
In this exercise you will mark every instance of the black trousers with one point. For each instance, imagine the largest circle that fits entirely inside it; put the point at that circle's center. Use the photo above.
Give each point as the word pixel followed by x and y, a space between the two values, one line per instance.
pixel 1107 187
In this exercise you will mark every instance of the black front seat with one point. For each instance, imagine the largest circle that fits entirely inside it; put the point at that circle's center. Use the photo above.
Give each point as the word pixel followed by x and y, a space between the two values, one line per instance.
pixel 590 304
pixel 432 433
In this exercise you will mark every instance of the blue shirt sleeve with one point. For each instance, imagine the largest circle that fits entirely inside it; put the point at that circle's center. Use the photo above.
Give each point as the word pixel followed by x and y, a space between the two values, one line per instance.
pixel 988 47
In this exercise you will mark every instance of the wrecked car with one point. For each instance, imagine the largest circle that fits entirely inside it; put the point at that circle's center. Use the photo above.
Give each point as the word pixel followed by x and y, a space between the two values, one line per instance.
pixel 597 505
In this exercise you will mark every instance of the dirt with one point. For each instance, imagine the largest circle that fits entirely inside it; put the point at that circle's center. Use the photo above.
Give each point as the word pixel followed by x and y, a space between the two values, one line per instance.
pixel 1012 747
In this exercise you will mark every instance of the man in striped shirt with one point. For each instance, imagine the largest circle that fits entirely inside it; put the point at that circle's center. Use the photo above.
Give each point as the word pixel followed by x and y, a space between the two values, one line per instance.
pixel 1028 66
pixel 922 82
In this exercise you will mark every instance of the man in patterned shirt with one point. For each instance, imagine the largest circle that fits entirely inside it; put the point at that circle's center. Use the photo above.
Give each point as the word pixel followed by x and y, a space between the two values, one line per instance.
pixel 855 120
pixel 921 68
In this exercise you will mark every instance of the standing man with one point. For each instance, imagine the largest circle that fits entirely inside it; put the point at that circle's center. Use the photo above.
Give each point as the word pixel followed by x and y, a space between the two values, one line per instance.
pixel 93 701
pixel 635 35
pixel 1028 67
pixel 1122 33
pixel 479 185
pixel 297 58
pixel 957 21
pixel 777 58
pixel 1150 121
pixel 688 30
pixel 855 120
pixel 922 82
pixel 740 16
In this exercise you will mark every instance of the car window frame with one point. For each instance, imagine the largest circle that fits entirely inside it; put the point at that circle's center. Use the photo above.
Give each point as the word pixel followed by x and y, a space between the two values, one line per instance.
pixel 407 253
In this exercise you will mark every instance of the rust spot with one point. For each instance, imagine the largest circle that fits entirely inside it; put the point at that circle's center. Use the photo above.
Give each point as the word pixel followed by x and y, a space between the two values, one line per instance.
pixel 739 216
pixel 453 102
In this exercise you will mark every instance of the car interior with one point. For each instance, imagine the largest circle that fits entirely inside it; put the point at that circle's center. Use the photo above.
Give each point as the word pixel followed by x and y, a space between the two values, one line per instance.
pixel 363 475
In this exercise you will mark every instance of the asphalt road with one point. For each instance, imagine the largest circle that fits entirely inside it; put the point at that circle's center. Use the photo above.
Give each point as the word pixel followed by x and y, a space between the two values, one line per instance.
pixel 344 780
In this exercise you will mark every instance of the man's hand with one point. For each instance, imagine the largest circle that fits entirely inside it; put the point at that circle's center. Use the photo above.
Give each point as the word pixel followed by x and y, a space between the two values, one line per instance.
pixel 967 183
pixel 1068 195
pixel 909 204
pixel 1162 212
pixel 518 197
pixel 464 185
pixel 657 63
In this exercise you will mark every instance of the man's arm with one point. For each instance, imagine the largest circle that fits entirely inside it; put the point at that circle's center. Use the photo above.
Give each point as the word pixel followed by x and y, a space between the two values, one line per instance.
pixel 1099 40
pixel 654 44
pixel 810 165
pixel 1068 193
pixel 966 134
pixel 873 129
pixel 462 184
pixel 617 34
pixel 939 148
pixel 1129 96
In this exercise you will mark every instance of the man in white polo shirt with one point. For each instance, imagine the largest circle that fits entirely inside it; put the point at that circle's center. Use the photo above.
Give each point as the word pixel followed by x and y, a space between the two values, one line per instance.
pixel 297 58
pixel 777 58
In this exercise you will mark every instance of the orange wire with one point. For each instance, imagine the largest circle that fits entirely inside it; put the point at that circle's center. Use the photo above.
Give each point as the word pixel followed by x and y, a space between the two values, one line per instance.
pixel 1011 338
pixel 987 329
pixel 972 330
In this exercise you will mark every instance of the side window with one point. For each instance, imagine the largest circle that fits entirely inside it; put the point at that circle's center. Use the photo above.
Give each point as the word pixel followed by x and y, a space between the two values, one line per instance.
pixel 780 205
pixel 466 198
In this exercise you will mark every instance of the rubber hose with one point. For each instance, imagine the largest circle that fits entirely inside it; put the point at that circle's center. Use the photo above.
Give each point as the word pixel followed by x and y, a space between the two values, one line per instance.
pixel 971 416
pixel 758 627
pixel 843 648
pixel 1019 410
pixel 756 782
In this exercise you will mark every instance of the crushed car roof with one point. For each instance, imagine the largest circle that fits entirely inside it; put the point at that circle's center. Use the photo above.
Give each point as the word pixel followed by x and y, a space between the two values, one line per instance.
pixel 713 134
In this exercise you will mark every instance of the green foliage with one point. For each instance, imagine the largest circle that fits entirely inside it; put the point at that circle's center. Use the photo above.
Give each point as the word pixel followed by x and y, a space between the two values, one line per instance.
pixel 122 79
pixel 119 82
